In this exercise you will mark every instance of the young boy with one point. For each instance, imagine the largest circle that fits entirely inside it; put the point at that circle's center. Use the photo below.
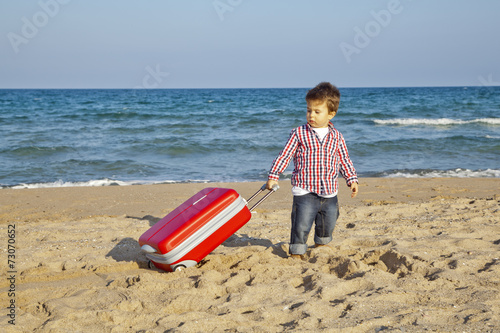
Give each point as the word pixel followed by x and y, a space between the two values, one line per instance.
pixel 319 153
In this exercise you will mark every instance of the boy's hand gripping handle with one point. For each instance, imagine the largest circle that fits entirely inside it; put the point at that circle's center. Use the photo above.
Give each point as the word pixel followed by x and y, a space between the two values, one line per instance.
pixel 275 188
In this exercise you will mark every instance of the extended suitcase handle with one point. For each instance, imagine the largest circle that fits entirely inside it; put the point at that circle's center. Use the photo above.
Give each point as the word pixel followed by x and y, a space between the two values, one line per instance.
pixel 275 188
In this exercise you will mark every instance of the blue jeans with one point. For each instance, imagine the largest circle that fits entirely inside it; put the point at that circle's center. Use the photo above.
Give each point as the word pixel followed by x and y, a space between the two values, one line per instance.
pixel 307 209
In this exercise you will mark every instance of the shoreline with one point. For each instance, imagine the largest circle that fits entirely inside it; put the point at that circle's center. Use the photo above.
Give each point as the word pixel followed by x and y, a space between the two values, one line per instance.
pixel 74 202
pixel 414 174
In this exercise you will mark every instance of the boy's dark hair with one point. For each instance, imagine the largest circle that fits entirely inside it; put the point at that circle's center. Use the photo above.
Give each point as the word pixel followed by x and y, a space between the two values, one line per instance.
pixel 325 91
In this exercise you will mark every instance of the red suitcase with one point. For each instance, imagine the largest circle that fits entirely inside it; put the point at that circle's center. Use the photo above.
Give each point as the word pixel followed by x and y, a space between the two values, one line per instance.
pixel 195 228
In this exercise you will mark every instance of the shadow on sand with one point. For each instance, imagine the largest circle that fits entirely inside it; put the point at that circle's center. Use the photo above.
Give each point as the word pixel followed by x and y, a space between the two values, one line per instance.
pixel 245 240
pixel 128 249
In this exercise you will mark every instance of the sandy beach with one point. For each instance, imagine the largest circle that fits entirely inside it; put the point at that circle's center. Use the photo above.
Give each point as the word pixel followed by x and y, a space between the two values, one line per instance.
pixel 408 255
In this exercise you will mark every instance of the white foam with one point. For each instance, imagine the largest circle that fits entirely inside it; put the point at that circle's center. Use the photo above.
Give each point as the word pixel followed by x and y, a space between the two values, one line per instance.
pixel 99 182
pixel 435 122
pixel 457 173
pixel 61 183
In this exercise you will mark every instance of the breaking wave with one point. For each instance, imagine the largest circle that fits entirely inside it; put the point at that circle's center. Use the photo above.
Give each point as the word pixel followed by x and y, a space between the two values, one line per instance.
pixel 436 122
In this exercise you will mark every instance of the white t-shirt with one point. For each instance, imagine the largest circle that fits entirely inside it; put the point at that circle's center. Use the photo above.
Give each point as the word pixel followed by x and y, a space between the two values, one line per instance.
pixel 321 132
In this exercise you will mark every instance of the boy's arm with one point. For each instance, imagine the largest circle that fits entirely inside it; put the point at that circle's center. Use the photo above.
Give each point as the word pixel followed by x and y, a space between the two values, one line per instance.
pixel 282 161
pixel 354 189
pixel 271 183
pixel 347 168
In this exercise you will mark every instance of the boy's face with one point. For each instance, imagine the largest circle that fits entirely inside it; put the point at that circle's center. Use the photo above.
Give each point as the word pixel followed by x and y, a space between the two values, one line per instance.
pixel 317 114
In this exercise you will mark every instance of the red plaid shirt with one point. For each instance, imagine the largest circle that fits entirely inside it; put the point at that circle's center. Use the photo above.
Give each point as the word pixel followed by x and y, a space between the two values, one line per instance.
pixel 316 164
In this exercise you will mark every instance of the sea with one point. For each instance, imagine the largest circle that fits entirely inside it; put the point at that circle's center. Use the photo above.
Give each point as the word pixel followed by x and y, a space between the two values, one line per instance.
pixel 102 137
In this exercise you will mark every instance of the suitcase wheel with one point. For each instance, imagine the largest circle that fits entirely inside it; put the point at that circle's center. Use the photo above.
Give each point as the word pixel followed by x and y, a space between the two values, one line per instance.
pixel 150 264
pixel 179 268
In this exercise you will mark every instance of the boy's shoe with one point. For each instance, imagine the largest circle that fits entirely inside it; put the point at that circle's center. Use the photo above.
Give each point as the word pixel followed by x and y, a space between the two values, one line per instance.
pixel 319 245
pixel 297 256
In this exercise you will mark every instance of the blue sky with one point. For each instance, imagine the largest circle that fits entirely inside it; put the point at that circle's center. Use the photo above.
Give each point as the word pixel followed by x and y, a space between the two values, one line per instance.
pixel 248 43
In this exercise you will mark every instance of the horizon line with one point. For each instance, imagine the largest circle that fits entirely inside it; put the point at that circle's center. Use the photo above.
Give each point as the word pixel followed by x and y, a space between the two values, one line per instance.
pixel 256 88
